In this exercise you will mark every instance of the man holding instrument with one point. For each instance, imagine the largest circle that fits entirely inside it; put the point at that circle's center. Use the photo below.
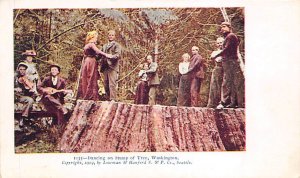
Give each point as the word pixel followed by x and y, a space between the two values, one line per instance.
pixel 24 91
pixel 53 92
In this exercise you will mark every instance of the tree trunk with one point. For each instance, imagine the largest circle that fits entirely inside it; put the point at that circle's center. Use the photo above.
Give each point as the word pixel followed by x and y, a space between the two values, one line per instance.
pixel 120 127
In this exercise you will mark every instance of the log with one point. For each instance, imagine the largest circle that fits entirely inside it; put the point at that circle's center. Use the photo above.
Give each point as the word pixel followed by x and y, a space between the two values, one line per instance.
pixel 105 126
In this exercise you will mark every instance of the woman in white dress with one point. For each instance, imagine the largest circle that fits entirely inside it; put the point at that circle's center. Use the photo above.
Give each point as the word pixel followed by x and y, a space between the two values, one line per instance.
pixel 31 71
pixel 184 98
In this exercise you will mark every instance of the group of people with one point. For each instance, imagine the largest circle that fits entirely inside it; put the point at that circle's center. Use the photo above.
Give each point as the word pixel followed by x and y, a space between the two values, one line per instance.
pixel 227 82
pixel 192 75
pixel 232 79
pixel 52 89
pixel 28 86
pixel 107 60
pixel 226 87
pixel 148 83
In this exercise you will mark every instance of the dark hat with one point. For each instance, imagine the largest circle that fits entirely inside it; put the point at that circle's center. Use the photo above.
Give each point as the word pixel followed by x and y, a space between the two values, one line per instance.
pixel 22 64
pixel 55 65
pixel 227 24
pixel 29 53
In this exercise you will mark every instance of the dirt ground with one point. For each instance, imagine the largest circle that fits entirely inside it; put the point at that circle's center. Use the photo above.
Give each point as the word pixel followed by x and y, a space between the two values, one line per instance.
pixel 42 143
pixel 36 140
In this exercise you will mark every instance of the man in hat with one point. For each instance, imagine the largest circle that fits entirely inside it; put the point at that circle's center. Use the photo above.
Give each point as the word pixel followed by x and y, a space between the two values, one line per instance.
pixel 231 78
pixel 31 71
pixel 196 75
pixel 110 65
pixel 54 101
pixel 23 91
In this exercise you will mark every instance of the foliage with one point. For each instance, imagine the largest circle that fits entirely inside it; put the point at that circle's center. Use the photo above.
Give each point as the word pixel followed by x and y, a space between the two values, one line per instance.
pixel 58 35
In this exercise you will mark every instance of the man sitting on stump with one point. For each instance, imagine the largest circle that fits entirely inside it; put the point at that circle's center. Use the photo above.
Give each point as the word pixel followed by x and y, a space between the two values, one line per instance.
pixel 53 93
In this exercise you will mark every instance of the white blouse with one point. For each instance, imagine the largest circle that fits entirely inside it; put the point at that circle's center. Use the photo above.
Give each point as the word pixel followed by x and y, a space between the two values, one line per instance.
pixel 143 75
pixel 183 67
pixel 217 59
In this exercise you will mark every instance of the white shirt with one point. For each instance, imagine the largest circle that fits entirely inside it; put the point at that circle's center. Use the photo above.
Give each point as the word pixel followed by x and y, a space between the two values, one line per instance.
pixel 143 75
pixel 54 80
pixel 217 59
pixel 184 67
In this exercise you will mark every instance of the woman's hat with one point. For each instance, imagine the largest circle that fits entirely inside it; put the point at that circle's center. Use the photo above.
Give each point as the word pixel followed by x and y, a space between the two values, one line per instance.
pixel 22 64
pixel 29 53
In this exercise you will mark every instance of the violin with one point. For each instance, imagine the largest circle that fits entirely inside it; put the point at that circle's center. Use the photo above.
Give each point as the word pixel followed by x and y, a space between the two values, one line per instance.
pixel 26 82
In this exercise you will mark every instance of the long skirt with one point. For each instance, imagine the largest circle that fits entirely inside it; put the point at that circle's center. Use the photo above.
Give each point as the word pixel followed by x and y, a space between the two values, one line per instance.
pixel 184 94
pixel 142 93
pixel 88 84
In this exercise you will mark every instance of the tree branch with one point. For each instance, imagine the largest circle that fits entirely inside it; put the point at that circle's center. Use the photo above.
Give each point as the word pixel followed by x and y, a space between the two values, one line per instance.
pixel 56 36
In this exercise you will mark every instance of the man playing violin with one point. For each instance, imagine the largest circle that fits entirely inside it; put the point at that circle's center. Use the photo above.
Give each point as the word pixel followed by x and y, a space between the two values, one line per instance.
pixel 54 101
pixel 24 91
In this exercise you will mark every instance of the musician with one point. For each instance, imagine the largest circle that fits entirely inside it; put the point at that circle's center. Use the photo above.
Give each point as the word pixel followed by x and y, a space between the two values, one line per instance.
pixel 24 91
pixel 54 102
pixel 110 65
pixel 31 71
pixel 88 83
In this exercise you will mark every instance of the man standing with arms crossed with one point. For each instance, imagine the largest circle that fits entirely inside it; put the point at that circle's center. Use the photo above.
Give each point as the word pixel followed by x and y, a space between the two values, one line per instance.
pixel 110 66
pixel 231 85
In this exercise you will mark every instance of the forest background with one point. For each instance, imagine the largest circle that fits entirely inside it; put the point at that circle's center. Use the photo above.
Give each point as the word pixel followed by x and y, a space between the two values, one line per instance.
pixel 58 36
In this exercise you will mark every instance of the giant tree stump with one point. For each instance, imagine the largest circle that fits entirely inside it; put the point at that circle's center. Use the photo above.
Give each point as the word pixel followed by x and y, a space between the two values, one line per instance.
pixel 121 127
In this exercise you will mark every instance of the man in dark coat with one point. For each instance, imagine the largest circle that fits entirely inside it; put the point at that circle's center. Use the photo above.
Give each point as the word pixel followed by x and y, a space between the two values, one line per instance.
pixel 52 99
pixel 232 84
pixel 110 65
pixel 196 74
